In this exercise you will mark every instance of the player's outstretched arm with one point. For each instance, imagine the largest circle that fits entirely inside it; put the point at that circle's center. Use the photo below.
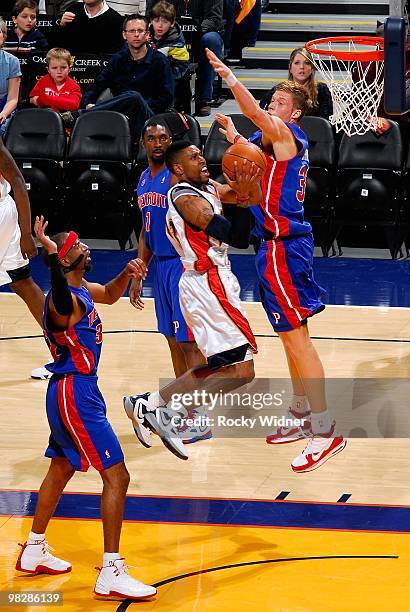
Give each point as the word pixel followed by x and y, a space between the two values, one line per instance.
pixel 115 288
pixel 271 126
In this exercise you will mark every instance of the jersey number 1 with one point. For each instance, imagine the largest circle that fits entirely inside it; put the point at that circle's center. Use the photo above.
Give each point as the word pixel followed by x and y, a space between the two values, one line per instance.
pixel 147 221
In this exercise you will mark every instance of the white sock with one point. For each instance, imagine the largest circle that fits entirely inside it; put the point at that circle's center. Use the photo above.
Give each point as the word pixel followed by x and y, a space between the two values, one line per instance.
pixel 107 557
pixel 35 537
pixel 300 404
pixel 321 423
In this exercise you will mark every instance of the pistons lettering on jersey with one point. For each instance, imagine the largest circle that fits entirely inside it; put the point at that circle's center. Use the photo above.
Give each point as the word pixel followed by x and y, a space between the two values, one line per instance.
pixel 93 317
pixel 152 198
pixel 276 316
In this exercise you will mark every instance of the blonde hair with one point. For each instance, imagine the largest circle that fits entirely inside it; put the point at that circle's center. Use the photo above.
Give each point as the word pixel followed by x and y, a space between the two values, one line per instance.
pixel 299 93
pixel 59 54
pixel 3 28
pixel 311 83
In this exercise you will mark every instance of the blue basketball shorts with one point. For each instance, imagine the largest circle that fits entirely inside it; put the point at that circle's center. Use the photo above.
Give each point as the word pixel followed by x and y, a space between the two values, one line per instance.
pixel 289 292
pixel 171 322
pixel 80 430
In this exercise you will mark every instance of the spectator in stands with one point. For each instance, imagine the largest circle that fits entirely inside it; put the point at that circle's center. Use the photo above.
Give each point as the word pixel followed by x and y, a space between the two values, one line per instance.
pixel 10 77
pixel 139 77
pixel 57 90
pixel 245 28
pixel 127 7
pixel 209 15
pixel 302 71
pixel 166 37
pixel 91 26
pixel 25 36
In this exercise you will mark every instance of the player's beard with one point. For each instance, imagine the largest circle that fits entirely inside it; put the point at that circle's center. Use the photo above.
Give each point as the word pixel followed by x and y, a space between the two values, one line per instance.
pixel 88 267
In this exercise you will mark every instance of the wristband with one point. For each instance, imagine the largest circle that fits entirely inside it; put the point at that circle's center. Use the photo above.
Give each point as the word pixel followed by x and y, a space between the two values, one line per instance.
pixel 242 198
pixel 237 138
pixel 231 79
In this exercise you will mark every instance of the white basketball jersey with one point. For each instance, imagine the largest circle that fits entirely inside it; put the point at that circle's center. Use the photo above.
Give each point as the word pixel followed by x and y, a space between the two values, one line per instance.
pixel 197 250
pixel 4 188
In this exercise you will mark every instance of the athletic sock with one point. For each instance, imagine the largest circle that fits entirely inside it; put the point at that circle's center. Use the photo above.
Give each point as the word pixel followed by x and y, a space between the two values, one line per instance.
pixel 107 557
pixel 33 538
pixel 321 423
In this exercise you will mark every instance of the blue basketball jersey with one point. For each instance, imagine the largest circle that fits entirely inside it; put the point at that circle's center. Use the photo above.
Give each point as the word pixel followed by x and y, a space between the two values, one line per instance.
pixel 76 350
pixel 281 212
pixel 153 203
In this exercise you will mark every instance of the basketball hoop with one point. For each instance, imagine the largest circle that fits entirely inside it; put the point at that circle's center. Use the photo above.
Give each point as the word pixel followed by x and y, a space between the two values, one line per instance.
pixel 352 67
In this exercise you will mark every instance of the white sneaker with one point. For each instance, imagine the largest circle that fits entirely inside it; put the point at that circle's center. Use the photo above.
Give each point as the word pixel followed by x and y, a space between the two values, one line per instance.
pixel 133 405
pixel 114 581
pixel 37 559
pixel 158 419
pixel 41 374
pixel 291 432
pixel 317 451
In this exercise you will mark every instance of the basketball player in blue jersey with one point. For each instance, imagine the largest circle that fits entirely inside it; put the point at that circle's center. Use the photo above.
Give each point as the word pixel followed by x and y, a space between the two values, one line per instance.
pixel 80 432
pixel 155 247
pixel 284 261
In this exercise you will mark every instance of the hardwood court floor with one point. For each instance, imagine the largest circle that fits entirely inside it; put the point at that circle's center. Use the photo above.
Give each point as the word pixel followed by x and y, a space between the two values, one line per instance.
pixel 359 342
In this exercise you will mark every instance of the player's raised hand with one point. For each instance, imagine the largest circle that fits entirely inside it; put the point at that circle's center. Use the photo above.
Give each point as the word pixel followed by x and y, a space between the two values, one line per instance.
pixel 135 293
pixel 220 68
pixel 247 177
pixel 40 227
pixel 228 128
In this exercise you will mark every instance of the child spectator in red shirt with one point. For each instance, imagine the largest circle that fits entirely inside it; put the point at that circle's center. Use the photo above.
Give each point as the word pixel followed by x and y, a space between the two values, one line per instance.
pixel 57 90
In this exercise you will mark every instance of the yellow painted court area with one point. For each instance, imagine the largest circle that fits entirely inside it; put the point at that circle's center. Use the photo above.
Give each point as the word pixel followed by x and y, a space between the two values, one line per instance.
pixel 161 552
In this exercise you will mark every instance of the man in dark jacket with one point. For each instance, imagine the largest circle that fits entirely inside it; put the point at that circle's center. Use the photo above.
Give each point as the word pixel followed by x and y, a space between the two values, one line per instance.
pixel 209 15
pixel 90 27
pixel 139 78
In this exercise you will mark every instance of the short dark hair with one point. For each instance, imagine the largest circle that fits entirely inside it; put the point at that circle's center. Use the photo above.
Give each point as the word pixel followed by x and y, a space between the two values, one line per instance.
pixel 59 239
pixel 173 151
pixel 153 123
pixel 163 9
pixel 23 4
pixel 133 17
pixel 299 93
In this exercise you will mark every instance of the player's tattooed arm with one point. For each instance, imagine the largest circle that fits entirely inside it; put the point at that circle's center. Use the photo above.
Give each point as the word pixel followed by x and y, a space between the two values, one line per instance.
pixel 12 174
pixel 194 210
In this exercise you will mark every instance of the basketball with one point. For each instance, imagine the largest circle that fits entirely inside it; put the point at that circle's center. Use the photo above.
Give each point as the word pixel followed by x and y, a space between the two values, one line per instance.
pixel 237 153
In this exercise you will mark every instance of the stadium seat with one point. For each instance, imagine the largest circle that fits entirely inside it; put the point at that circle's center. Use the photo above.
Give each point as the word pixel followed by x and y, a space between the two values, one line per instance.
pixel 37 140
pixel 369 184
pixel 216 143
pixel 319 197
pixel 98 177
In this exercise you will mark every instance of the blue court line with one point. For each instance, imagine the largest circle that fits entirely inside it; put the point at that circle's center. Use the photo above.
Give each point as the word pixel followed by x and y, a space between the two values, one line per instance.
pixel 229 512
pixel 352 282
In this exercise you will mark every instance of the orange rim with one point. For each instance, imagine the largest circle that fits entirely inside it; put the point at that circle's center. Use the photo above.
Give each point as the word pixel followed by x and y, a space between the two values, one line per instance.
pixel 374 55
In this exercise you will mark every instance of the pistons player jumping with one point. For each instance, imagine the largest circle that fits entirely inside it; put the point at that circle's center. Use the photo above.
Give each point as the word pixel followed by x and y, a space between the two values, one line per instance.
pixel 284 261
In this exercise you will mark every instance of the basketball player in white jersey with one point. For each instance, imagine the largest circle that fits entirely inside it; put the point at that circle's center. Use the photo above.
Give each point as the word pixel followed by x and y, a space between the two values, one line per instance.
pixel 16 241
pixel 208 290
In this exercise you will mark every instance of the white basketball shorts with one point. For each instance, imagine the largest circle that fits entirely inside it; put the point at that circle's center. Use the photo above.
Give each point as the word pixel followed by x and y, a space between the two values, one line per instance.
pixel 10 253
pixel 210 303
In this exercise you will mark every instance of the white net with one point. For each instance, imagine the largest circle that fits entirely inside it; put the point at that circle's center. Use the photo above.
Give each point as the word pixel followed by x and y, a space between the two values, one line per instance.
pixel 356 86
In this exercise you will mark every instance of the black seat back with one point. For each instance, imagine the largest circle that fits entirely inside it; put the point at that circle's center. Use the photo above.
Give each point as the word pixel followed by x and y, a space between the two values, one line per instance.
pixel 36 133
pixel 101 135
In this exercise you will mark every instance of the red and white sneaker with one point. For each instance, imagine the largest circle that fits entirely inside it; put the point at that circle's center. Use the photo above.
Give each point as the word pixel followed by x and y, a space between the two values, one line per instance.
pixel 114 582
pixel 292 433
pixel 37 559
pixel 318 450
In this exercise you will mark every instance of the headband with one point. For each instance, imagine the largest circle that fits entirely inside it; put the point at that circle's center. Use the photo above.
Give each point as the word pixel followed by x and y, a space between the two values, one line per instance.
pixel 67 245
